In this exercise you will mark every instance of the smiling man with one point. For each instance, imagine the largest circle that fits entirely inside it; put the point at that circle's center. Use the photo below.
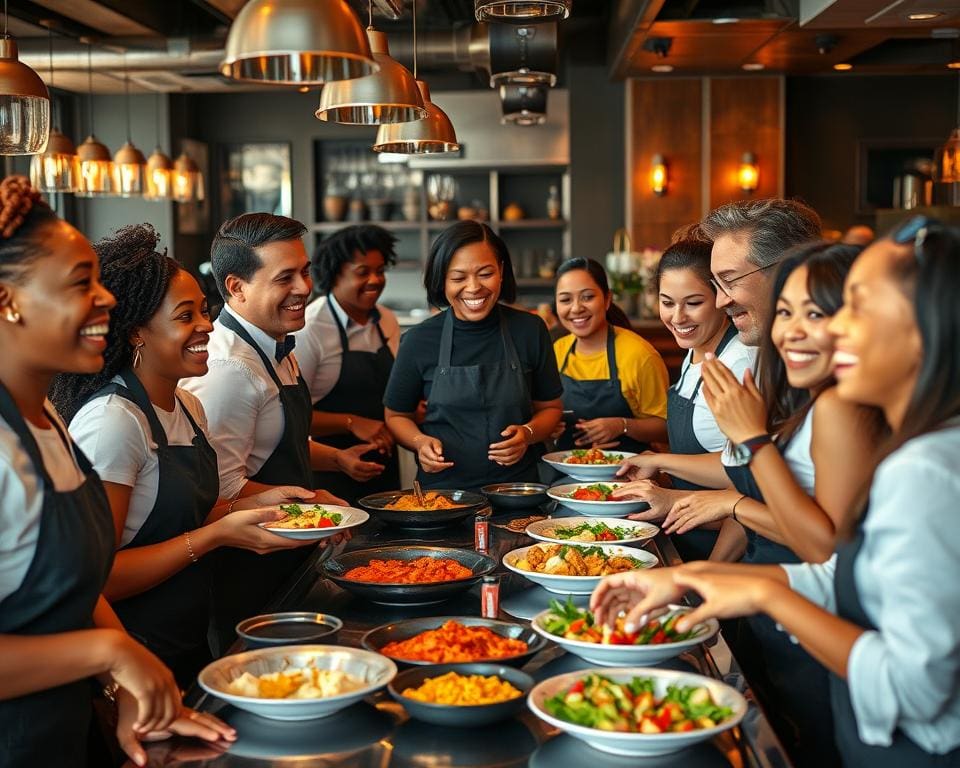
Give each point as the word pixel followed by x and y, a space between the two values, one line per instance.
pixel 749 239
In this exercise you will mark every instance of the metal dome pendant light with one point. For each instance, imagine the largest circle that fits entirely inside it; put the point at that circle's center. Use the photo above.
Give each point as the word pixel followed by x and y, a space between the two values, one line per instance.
pixel 522 11
pixel 96 165
pixel 389 96
pixel 129 163
pixel 431 135
pixel 296 42
pixel 158 178
pixel 24 102
pixel 57 168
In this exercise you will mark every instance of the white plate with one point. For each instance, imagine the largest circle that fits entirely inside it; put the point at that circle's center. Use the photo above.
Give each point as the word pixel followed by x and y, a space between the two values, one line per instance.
pixel 639 531
pixel 574 585
pixel 351 519
pixel 595 508
pixel 639 744
pixel 372 668
pixel 626 655
pixel 593 472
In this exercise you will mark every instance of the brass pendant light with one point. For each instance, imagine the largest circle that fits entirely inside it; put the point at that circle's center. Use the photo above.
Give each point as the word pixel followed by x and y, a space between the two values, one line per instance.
pixel 158 178
pixel 96 165
pixel 57 168
pixel 522 11
pixel 24 102
pixel 431 135
pixel 186 180
pixel 389 96
pixel 129 163
pixel 296 42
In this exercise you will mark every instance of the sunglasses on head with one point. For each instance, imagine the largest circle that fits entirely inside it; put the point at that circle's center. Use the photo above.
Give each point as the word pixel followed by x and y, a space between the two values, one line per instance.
pixel 914 232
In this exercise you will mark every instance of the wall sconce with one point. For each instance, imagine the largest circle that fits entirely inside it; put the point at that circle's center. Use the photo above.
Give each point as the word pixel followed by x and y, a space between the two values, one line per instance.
pixel 748 175
pixel 658 176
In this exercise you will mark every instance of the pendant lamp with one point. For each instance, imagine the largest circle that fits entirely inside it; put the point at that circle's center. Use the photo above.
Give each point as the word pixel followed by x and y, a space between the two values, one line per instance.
pixel 431 135
pixel 186 180
pixel 96 165
pixel 389 96
pixel 296 42
pixel 129 163
pixel 522 12
pixel 57 168
pixel 157 180
pixel 24 102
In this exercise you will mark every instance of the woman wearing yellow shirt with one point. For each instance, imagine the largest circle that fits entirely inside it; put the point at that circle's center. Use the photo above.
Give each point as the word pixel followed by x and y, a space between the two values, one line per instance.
pixel 614 381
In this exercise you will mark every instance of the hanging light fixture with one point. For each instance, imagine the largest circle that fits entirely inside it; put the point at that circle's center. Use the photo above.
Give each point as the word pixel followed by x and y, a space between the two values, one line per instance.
pixel 24 102
pixel 389 96
pixel 57 168
pixel 129 163
pixel 186 180
pixel 157 180
pixel 431 135
pixel 521 11
pixel 96 165
pixel 296 42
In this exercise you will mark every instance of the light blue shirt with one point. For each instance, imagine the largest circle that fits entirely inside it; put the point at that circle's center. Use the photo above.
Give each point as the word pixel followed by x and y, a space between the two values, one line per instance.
pixel 906 674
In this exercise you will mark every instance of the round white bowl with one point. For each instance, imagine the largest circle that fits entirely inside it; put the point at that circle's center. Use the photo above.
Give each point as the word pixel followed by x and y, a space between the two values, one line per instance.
pixel 640 531
pixel 639 744
pixel 626 655
pixel 595 508
pixel 574 585
pixel 372 668
pixel 351 519
pixel 592 472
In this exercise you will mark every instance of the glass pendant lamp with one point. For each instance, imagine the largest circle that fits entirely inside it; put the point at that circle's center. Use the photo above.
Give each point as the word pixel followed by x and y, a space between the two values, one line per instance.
pixel 96 164
pixel 129 164
pixel 24 102
pixel 522 11
pixel 57 168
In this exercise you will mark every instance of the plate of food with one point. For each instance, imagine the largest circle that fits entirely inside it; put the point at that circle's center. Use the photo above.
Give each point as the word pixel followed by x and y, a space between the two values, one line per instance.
pixel 566 569
pixel 591 530
pixel 296 682
pixel 454 640
pixel 593 499
pixel 637 711
pixel 587 463
pixel 315 521
pixel 575 630
pixel 408 575
pixel 440 508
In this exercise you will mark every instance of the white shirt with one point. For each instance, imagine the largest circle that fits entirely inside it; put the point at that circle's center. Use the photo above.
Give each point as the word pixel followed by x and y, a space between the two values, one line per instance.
pixel 905 674
pixel 21 495
pixel 737 356
pixel 115 435
pixel 242 403
pixel 319 351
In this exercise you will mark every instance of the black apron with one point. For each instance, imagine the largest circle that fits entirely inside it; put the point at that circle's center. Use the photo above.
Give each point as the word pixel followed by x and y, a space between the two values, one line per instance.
pixel 903 751
pixel 595 399
pixel 359 390
pixel 245 581
pixel 696 544
pixel 171 618
pixel 59 592
pixel 469 406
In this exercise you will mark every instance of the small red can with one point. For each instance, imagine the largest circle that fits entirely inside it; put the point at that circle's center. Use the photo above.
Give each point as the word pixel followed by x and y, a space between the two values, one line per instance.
pixel 490 597
pixel 481 532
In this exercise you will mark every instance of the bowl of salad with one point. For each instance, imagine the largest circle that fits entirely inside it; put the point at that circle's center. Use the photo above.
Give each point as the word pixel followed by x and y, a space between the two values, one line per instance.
pixel 575 630
pixel 566 569
pixel 637 711
pixel 587 463
pixel 312 522
pixel 591 530
pixel 593 499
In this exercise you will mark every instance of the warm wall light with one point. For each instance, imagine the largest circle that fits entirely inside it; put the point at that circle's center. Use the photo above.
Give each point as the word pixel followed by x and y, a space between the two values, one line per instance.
pixel 843 66
pixel 658 176
pixel 748 175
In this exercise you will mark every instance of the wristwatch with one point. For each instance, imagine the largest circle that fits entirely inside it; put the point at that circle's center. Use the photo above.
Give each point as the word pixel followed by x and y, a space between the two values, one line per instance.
pixel 746 450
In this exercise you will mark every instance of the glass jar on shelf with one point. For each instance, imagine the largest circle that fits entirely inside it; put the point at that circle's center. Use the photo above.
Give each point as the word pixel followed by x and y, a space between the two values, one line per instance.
pixel 553 203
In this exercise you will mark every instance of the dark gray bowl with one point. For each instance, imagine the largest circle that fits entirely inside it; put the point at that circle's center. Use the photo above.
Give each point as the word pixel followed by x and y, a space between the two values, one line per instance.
pixel 375 504
pixel 510 496
pixel 408 594
pixel 289 628
pixel 398 631
pixel 448 714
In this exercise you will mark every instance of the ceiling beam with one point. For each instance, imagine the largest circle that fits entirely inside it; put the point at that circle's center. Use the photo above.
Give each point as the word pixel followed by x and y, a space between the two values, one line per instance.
pixel 629 22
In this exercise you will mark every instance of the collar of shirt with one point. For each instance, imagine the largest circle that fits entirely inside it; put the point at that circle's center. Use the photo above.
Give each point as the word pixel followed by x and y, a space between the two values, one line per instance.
pixel 264 340
pixel 345 319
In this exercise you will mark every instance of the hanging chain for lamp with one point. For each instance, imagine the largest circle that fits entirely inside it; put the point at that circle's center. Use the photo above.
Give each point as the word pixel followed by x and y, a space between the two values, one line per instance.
pixel 126 93
pixel 89 85
pixel 414 39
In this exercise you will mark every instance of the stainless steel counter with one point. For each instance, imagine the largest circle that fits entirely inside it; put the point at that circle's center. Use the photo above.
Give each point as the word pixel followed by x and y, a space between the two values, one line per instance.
pixel 377 733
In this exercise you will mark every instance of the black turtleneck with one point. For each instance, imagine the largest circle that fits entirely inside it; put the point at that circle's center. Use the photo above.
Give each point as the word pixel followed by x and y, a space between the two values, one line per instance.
pixel 474 343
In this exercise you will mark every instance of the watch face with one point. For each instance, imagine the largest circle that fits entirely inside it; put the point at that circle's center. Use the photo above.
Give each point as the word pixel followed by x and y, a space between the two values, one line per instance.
pixel 742 454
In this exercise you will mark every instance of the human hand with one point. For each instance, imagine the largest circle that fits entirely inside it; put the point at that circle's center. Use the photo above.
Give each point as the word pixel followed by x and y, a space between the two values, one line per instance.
pixel 636 593
pixel 725 595
pixel 272 497
pixel 558 430
pixel 643 466
pixel 738 408
pixel 372 431
pixel 350 462
pixel 147 680
pixel 605 430
pixel 697 508
pixel 430 454
pixel 242 529
pixel 659 498
pixel 508 452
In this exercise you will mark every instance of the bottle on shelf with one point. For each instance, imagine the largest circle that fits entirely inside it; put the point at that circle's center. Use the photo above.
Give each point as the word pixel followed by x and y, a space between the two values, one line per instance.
pixel 553 203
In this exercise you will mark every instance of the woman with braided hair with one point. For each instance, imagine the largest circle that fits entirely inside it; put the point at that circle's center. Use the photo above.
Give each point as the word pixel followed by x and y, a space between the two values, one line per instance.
pixel 147 440
pixel 56 542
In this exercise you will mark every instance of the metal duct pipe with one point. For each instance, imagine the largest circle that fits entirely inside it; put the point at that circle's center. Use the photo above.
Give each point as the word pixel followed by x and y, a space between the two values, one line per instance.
pixel 466 49
pixel 142 54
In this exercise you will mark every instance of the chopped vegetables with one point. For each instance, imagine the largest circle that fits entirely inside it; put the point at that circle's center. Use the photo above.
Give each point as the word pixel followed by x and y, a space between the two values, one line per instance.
pixel 595 492
pixel 455 642
pixel 597 701
pixel 590 532
pixel 592 456
pixel 463 690
pixel 572 623
pixel 315 517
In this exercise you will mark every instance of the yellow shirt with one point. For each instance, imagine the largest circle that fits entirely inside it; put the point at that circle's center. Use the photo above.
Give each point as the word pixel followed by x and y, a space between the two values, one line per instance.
pixel 643 376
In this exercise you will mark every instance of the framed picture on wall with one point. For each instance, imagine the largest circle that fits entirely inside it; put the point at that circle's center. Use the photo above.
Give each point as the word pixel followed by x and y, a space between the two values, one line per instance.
pixel 256 178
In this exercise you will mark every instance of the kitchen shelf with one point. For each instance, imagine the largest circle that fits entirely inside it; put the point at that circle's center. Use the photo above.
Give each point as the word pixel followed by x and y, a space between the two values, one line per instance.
pixel 392 226
pixel 533 224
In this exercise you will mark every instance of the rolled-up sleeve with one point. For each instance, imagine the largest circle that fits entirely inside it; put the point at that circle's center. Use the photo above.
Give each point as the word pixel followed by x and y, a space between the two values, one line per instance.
pixel 814 581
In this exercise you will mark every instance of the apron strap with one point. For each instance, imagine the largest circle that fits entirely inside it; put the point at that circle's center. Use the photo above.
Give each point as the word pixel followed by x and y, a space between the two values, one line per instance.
pixel 724 341
pixel 231 322
pixel 509 348
pixel 135 393
pixel 446 342
pixel 611 354
pixel 344 344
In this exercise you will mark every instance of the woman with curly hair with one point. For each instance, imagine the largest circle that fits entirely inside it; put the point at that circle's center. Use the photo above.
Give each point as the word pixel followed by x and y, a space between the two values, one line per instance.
pixel 147 440
pixel 56 542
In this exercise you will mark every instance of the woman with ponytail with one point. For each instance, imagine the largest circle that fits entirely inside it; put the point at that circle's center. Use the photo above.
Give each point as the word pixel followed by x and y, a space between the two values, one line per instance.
pixel 614 381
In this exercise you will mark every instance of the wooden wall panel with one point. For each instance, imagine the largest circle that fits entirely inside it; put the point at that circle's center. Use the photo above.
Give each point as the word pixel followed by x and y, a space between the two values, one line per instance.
pixel 745 116
pixel 665 118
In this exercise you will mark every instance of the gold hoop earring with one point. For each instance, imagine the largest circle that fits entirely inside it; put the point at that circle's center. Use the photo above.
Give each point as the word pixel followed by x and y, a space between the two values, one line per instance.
pixel 11 313
pixel 137 354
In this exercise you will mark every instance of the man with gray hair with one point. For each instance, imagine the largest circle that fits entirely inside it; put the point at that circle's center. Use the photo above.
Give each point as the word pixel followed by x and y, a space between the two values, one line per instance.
pixel 749 237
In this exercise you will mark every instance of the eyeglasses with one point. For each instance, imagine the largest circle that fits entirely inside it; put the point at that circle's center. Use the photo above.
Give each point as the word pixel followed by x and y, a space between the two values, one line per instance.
pixel 726 286
pixel 914 232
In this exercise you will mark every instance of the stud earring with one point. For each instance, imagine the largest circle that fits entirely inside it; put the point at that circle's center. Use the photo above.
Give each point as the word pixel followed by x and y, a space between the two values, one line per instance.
pixel 137 354
pixel 11 314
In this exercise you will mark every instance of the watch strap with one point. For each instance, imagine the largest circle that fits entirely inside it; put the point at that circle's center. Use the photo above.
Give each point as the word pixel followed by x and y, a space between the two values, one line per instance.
pixel 754 444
